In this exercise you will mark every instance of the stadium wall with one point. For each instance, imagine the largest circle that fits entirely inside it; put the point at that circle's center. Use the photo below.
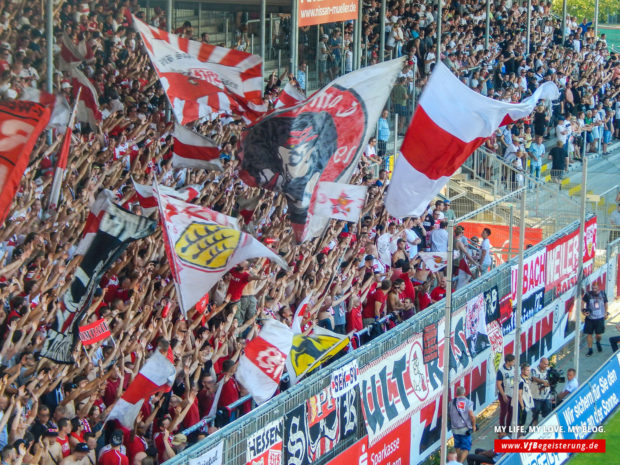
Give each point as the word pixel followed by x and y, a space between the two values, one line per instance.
pixel 380 404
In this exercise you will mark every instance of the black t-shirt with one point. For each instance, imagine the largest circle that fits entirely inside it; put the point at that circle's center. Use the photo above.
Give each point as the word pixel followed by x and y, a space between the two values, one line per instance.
pixel 558 156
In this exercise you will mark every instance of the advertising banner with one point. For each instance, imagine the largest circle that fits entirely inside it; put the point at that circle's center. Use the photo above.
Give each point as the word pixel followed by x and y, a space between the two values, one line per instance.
pixel 265 446
pixel 533 275
pixel 345 379
pixel 312 12
pixel 562 261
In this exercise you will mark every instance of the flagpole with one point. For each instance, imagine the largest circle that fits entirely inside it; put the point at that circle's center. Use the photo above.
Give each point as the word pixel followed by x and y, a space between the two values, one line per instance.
pixel 62 158
pixel 517 340
pixel 582 226
pixel 382 33
pixel 439 14
pixel 49 30
pixel 263 28
pixel 169 29
pixel 294 38
pixel 446 347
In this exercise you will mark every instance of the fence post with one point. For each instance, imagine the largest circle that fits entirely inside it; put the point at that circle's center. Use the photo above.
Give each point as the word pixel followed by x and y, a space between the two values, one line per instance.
pixel 446 347
pixel 395 133
pixel 226 33
pixel 517 340
pixel 582 224
pixel 510 232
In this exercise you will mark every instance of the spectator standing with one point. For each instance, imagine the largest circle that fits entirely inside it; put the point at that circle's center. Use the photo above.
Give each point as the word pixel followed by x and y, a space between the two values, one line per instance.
pixel 383 133
pixel 537 152
pixel 596 311
pixel 559 160
pixel 504 383
pixel 526 401
pixel 541 391
pixel 463 423
pixel 485 251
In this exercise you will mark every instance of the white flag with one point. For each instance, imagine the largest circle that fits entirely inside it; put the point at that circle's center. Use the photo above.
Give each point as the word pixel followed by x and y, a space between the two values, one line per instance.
pixel 202 245
pixel 148 202
pixel 193 150
pixel 434 261
pixel 262 363
pixel 340 201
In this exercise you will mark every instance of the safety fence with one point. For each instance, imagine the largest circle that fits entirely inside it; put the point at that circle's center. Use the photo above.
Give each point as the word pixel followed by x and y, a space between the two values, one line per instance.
pixel 387 405
pixel 578 417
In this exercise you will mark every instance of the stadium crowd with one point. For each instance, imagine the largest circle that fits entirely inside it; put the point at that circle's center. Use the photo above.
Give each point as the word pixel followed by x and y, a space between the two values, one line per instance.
pixel 53 414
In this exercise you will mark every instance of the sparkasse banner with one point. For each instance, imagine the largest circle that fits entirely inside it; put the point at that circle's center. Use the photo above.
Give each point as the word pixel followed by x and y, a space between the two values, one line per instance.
pixel 312 12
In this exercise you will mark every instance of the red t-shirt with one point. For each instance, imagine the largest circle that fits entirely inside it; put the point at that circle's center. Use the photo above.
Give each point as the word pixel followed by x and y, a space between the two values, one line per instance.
pixel 113 457
pixel 64 444
pixel 424 300
pixel 193 415
pixel 354 319
pixel 205 402
pixel 369 308
pixel 238 281
pixel 138 444
pixel 230 393
pixel 409 289
pixel 158 439
pixel 438 293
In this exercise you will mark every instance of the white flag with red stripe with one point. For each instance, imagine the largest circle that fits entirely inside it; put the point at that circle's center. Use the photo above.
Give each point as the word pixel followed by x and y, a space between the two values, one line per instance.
pixel 97 210
pixel 148 201
pixel 340 201
pixel 434 261
pixel 72 54
pixel 261 365
pixel 290 96
pixel 61 163
pixel 88 103
pixel 201 79
pixel 157 375
pixel 451 121
pixel 202 245
pixel 302 320
pixel 61 111
pixel 193 150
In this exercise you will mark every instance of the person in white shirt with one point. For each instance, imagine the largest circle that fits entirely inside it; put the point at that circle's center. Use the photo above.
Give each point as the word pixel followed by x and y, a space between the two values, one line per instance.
pixel 485 248
pixel 384 245
pixel 571 384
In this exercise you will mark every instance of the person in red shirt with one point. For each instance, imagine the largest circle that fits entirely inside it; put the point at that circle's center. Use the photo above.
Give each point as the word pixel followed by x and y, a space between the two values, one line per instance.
pixel 193 414
pixel 423 297
pixel 239 278
pixel 111 389
pixel 375 304
pixel 405 274
pixel 230 390
pixel 134 440
pixel 64 429
pixel 206 395
pixel 114 456
pixel 440 290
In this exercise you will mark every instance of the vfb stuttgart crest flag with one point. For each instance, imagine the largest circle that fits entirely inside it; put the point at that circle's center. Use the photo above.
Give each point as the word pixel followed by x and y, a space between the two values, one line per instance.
pixel 319 140
pixel 202 245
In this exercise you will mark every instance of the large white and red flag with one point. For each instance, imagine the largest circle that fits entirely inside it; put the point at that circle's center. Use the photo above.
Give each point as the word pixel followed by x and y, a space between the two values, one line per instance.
pixel 262 363
pixel 61 111
pixel 193 150
pixel 451 121
pixel 157 375
pixel 340 201
pixel 321 139
pixel 202 79
pixel 63 157
pixel 202 245
pixel 148 201
pixel 289 97
pixel 88 103
pixel 102 202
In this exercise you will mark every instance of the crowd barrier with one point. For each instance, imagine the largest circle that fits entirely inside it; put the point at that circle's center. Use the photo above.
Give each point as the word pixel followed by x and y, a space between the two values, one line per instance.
pixel 578 416
pixel 381 403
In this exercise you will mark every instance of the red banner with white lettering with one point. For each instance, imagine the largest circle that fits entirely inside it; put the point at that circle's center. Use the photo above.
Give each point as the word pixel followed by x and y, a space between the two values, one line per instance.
pixel 21 123
pixel 562 260
pixel 94 332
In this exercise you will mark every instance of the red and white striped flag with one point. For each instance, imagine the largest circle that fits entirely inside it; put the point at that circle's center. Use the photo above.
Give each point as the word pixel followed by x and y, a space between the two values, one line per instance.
pixel 88 103
pixel 97 210
pixel 450 122
pixel 202 79
pixel 148 201
pixel 63 156
pixel 289 97
pixel 157 375
pixel 192 150
pixel 301 318
pixel 261 365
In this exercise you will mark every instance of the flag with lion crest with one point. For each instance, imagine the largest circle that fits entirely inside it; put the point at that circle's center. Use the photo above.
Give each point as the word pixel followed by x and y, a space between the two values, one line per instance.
pixel 202 245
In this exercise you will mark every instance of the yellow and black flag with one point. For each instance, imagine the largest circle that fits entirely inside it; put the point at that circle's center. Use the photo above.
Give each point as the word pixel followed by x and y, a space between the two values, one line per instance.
pixel 308 352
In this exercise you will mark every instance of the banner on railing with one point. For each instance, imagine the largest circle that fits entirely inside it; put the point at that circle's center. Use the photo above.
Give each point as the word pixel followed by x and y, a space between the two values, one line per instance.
pixel 265 446
pixel 213 456
pixel 562 262
pixel 312 12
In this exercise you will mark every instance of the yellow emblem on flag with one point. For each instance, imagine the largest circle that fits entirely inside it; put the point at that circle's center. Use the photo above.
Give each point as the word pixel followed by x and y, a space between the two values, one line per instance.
pixel 208 246
pixel 308 352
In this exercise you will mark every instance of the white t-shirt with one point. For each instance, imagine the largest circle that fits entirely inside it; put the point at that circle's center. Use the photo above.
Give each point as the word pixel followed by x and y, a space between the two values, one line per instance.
pixel 571 385
pixel 486 245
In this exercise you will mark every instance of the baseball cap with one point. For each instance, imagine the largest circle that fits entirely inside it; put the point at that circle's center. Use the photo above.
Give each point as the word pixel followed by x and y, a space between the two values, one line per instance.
pixel 117 438
pixel 82 447
pixel 369 257
pixel 50 432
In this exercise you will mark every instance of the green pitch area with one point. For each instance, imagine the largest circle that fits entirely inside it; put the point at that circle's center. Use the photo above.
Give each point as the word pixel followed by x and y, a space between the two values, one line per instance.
pixel 612 445
pixel 613 35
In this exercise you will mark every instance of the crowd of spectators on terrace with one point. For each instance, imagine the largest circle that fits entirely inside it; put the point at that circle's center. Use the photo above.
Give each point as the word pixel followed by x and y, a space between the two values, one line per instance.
pixel 52 414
